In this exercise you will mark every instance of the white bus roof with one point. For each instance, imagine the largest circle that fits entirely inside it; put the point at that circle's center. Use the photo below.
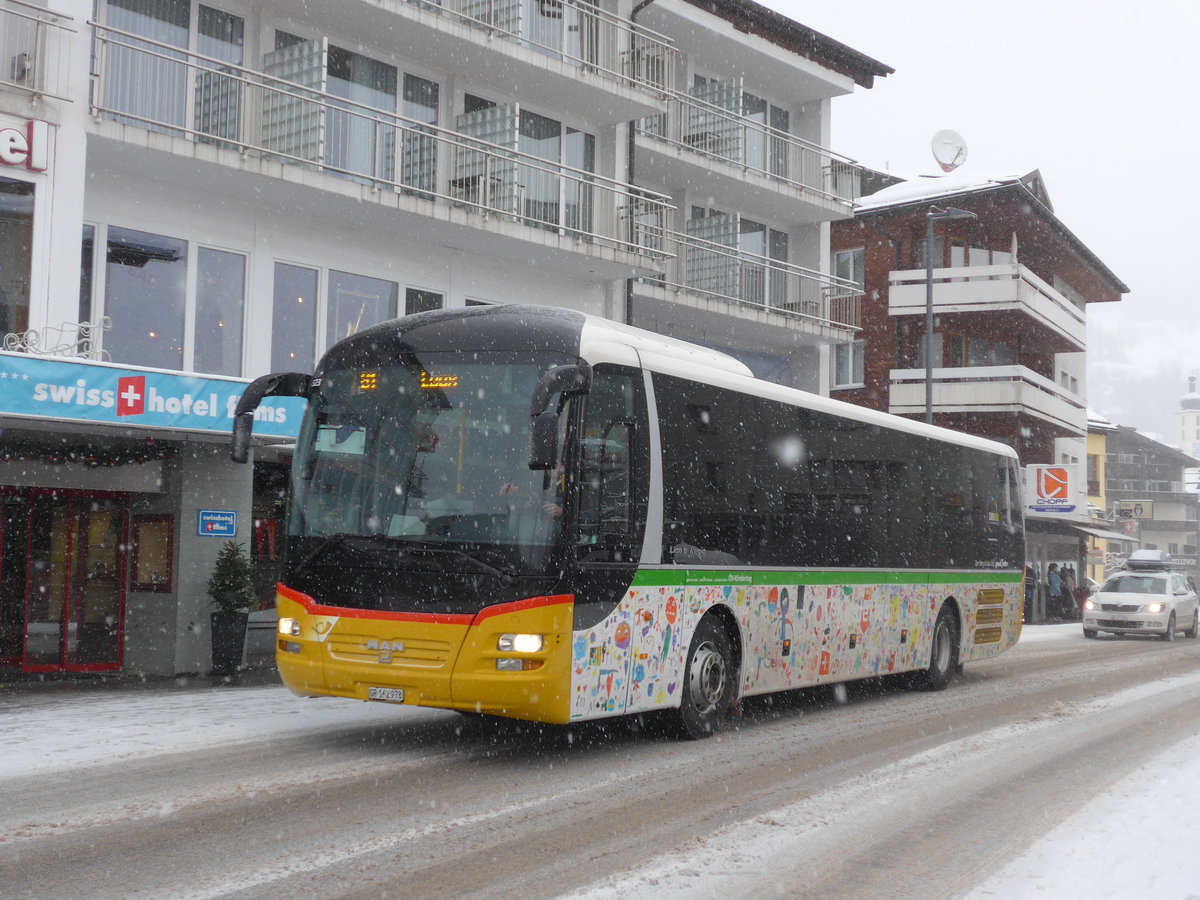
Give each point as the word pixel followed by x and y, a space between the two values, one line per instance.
pixel 603 340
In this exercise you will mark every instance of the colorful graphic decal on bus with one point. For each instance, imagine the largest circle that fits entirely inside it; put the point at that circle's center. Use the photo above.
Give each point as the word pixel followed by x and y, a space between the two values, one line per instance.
pixel 792 635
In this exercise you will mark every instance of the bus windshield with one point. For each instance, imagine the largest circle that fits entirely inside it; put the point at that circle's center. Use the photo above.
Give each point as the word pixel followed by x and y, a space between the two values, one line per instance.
pixel 427 456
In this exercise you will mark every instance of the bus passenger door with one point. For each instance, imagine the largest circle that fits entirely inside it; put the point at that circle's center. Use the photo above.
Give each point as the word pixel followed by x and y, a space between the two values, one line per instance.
pixel 610 513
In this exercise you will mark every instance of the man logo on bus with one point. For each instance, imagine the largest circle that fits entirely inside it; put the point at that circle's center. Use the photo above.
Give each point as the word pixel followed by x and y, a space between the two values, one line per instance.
pixel 1052 483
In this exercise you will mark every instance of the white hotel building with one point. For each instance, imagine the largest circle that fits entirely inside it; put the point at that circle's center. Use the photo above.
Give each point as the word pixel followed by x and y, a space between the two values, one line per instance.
pixel 196 193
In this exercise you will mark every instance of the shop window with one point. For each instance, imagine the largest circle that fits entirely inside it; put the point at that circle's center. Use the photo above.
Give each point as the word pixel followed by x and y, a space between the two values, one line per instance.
pixel 144 295
pixel 153 552
pixel 357 302
pixel 220 299
pixel 16 240
pixel 294 319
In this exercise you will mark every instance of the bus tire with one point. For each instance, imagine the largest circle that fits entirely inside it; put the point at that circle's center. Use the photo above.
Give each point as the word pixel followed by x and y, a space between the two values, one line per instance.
pixel 707 681
pixel 943 655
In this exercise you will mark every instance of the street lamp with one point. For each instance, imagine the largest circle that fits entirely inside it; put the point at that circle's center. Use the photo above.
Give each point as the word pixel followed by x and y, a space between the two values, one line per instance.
pixel 934 215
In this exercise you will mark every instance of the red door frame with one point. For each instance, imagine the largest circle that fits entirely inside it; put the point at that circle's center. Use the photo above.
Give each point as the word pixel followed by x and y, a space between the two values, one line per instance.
pixel 72 495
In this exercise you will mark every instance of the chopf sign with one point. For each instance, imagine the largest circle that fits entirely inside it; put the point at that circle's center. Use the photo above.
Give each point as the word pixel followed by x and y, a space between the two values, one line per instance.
pixel 28 146
pixel 216 523
pixel 1049 489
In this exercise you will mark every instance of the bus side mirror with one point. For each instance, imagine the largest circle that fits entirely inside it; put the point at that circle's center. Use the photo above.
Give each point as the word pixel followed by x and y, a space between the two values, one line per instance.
pixel 543 424
pixel 239 441
pixel 543 441
pixel 289 384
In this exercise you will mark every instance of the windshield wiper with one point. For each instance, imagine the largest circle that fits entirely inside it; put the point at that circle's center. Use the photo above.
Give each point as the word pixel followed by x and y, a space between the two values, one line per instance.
pixel 325 544
pixel 506 577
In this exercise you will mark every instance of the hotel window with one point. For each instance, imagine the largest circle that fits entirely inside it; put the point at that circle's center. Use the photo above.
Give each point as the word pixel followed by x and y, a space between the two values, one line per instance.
pixel 145 295
pixel 220 298
pixel 417 300
pixel 348 134
pixel 542 193
pixel 356 302
pixel 740 276
pixel 153 298
pixel 16 242
pixel 294 319
pixel 751 130
pixel 848 364
pixel 149 81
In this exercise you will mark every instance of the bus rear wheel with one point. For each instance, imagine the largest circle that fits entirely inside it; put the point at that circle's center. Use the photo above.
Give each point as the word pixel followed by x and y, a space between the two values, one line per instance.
pixel 943 657
pixel 707 681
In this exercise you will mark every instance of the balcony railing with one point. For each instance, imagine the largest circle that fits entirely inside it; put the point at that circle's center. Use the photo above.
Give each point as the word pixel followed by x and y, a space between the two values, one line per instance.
pixel 35 49
pixel 989 389
pixel 1007 287
pixel 706 269
pixel 721 134
pixel 574 32
pixel 163 89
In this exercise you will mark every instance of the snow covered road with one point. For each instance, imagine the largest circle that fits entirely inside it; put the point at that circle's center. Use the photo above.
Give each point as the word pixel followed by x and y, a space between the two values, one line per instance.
pixel 1035 775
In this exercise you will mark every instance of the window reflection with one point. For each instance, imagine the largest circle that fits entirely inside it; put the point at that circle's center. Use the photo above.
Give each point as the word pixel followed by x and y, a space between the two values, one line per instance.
pixel 294 319
pixel 357 302
pixel 144 295
pixel 220 296
pixel 16 239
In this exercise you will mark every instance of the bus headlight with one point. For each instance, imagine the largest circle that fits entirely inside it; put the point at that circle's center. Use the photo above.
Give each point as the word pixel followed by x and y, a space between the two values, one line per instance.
pixel 519 643
pixel 289 627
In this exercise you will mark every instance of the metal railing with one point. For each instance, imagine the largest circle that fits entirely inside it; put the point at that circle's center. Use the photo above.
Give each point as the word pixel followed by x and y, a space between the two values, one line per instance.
pixel 35 49
pixel 70 339
pixel 187 95
pixel 1014 387
pixel 722 134
pixel 707 269
pixel 574 32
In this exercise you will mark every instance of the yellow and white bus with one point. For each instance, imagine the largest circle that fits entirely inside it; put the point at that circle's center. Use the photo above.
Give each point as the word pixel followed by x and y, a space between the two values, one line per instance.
pixel 536 513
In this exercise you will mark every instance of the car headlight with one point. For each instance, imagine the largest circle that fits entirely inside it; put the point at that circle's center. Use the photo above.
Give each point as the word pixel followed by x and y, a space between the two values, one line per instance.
pixel 1090 604
pixel 1156 607
pixel 519 643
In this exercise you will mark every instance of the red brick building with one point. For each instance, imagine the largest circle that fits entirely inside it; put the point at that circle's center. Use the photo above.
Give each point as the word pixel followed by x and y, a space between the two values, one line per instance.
pixel 1011 287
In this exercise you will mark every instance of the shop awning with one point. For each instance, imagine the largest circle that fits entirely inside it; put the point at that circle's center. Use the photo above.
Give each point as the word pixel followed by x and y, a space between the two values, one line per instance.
pixel 1108 534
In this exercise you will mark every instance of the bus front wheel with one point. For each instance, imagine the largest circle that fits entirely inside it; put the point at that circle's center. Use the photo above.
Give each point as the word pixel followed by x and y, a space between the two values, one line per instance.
pixel 707 681
pixel 943 658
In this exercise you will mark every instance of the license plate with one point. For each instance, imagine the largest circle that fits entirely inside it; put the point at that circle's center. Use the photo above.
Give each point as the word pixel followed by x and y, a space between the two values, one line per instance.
pixel 389 695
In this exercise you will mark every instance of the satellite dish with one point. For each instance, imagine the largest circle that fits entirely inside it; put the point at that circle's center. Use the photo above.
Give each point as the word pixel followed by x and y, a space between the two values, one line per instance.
pixel 949 149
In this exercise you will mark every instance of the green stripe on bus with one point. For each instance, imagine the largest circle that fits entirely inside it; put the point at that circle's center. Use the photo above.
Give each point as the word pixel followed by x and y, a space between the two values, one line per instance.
pixel 706 577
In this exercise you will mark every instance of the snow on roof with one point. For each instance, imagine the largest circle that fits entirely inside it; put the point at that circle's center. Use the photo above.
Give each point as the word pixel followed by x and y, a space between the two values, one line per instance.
pixel 1099 422
pixel 929 187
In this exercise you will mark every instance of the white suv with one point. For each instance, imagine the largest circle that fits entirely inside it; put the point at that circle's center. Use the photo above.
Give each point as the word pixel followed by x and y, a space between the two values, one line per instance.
pixel 1144 598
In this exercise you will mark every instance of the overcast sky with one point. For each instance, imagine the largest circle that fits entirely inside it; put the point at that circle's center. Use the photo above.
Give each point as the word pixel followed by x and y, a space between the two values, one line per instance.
pixel 1101 98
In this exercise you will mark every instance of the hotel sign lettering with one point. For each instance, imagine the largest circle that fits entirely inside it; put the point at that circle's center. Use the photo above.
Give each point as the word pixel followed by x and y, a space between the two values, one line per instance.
pixel 102 392
pixel 26 146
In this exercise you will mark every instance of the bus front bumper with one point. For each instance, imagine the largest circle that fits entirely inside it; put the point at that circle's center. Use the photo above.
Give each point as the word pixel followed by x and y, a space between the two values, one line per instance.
pixel 509 660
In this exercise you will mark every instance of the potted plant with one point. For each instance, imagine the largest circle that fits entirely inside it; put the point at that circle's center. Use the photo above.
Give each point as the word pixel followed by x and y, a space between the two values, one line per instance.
pixel 231 588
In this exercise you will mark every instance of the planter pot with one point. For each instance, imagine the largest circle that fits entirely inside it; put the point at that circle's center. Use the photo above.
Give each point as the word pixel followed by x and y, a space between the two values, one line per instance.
pixel 228 642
